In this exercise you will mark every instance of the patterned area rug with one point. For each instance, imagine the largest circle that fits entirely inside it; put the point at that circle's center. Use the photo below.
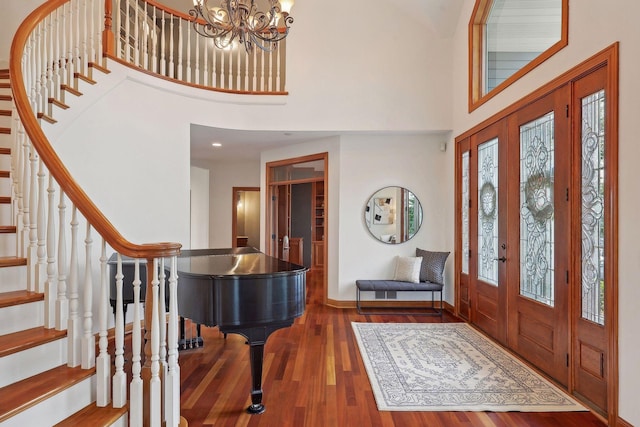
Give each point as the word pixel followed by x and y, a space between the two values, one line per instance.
pixel 450 367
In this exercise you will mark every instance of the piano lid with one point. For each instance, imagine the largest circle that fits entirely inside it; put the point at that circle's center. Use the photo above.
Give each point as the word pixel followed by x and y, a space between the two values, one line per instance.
pixel 244 261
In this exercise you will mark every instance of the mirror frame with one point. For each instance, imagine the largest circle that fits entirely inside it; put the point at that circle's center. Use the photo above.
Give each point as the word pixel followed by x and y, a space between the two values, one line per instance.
pixel 476 53
pixel 388 215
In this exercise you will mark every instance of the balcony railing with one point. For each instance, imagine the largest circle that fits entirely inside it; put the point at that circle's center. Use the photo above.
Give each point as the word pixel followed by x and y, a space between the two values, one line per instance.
pixel 162 41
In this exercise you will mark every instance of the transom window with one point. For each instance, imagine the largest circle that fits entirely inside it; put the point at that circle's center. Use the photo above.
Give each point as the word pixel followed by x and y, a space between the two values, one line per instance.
pixel 508 38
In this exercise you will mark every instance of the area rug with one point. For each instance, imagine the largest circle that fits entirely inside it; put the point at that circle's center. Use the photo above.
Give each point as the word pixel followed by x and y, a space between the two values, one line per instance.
pixel 450 367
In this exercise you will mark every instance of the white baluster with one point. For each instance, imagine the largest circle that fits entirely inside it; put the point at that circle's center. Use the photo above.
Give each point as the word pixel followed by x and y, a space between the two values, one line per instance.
pixel 38 68
pixel 136 406
pixel 223 83
pixel 40 276
pixel 62 303
pixel 84 53
pixel 51 285
pixel 77 60
pixel 119 377
pixel 206 81
pixel 74 334
pixel 49 60
pixel 136 35
pixel 189 35
pixel 261 70
pixel 155 391
pixel 32 257
pixel 26 185
pixel 215 67
pixel 172 382
pixel 270 63
pixel 64 60
pixel 120 45
pixel 172 65
pixel 279 56
pixel 103 362
pixel 232 82
pixel 153 34
pixel 94 15
pixel 163 45
pixel 88 340
pixel 180 48
pixel 162 323
pixel 127 31
pixel 246 76
pixel 19 153
pixel 197 63
pixel 70 45
pixel 55 94
pixel 145 39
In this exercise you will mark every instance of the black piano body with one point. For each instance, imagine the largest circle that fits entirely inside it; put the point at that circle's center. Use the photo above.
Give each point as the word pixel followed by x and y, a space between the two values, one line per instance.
pixel 241 291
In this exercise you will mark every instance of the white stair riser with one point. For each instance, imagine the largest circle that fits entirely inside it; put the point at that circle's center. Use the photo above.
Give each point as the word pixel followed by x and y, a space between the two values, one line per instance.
pixel 24 364
pixel 5 214
pixel 5 161
pixel 19 317
pixel 5 121
pixel 7 244
pixel 58 407
pixel 13 278
pixel 5 186
pixel 123 421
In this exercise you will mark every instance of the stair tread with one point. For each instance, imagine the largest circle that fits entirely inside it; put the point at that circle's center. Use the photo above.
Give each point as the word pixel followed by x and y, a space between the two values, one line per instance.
pixel 12 261
pixel 94 415
pixel 7 229
pixel 6 98
pixel 19 297
pixel 5 150
pixel 21 395
pixel 28 338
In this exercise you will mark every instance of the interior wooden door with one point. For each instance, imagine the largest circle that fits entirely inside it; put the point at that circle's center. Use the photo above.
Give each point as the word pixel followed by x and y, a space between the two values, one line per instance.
pixel 488 227
pixel 539 244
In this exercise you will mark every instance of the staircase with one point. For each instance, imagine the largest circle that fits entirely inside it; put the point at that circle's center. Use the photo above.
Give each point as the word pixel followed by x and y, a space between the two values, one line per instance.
pixel 36 385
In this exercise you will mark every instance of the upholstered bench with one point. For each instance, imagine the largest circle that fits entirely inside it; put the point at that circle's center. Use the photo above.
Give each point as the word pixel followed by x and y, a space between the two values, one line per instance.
pixel 400 286
pixel 422 273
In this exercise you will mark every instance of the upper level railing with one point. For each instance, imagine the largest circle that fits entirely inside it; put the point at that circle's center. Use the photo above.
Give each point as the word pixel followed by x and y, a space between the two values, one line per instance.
pixel 162 41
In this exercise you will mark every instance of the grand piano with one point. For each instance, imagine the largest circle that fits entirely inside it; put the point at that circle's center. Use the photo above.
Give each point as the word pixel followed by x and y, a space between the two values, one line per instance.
pixel 242 291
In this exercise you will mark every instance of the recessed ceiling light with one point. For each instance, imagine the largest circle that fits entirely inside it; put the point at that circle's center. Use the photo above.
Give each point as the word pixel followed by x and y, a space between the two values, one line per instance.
pixel 216 144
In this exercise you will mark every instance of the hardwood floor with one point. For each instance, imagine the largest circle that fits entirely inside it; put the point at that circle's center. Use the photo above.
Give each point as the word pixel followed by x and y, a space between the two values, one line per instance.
pixel 314 376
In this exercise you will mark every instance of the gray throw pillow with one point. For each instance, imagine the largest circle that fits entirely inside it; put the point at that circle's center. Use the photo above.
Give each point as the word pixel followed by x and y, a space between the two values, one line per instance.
pixel 432 268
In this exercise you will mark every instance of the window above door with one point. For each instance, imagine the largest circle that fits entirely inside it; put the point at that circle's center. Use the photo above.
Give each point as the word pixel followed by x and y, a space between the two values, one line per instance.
pixel 508 38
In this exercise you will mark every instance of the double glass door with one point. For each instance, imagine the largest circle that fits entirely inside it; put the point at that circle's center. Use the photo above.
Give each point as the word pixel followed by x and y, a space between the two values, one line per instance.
pixel 533 234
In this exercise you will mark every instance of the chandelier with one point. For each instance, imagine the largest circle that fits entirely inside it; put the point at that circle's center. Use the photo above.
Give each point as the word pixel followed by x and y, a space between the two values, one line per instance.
pixel 243 20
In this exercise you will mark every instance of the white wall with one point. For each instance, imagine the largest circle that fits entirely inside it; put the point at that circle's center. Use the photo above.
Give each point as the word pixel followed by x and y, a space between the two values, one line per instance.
pixel 199 199
pixel 223 176
pixel 593 26
pixel 371 162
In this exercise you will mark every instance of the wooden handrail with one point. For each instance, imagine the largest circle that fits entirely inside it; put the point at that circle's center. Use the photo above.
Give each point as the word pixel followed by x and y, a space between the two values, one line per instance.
pixel 53 163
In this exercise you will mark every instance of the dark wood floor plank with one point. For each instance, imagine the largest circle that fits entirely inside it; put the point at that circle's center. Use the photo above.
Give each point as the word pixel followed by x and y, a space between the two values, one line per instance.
pixel 314 377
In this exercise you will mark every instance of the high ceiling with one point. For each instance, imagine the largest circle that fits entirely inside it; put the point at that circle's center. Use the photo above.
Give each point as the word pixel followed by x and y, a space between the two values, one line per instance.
pixel 439 15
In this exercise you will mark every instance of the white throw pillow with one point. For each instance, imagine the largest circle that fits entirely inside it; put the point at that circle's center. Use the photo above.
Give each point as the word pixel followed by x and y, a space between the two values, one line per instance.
pixel 408 269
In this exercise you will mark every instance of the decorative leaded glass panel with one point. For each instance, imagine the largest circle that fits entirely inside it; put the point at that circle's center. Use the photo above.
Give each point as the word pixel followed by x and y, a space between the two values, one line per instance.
pixel 465 212
pixel 488 211
pixel 593 167
pixel 536 209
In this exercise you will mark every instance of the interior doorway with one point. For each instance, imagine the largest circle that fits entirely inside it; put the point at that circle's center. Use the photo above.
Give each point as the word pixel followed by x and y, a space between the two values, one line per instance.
pixel 245 217
pixel 295 216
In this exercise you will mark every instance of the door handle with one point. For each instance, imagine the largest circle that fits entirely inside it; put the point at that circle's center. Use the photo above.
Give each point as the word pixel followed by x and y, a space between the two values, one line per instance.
pixel 503 259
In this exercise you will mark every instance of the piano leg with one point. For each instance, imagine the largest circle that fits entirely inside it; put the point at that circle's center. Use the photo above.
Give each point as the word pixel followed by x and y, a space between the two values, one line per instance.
pixel 256 338
pixel 256 352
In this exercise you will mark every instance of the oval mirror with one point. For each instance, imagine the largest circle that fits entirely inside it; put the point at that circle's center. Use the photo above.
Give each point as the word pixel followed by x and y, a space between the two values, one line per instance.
pixel 393 215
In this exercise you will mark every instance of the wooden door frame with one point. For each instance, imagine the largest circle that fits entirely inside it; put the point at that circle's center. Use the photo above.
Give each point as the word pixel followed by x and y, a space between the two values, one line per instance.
pixel 609 58
pixel 268 211
pixel 235 191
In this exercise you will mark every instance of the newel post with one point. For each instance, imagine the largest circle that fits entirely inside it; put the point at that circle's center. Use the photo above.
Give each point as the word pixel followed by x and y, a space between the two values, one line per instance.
pixel 107 33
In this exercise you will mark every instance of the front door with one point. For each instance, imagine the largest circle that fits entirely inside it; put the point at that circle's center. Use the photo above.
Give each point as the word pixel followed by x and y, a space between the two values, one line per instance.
pixel 538 247
pixel 488 228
